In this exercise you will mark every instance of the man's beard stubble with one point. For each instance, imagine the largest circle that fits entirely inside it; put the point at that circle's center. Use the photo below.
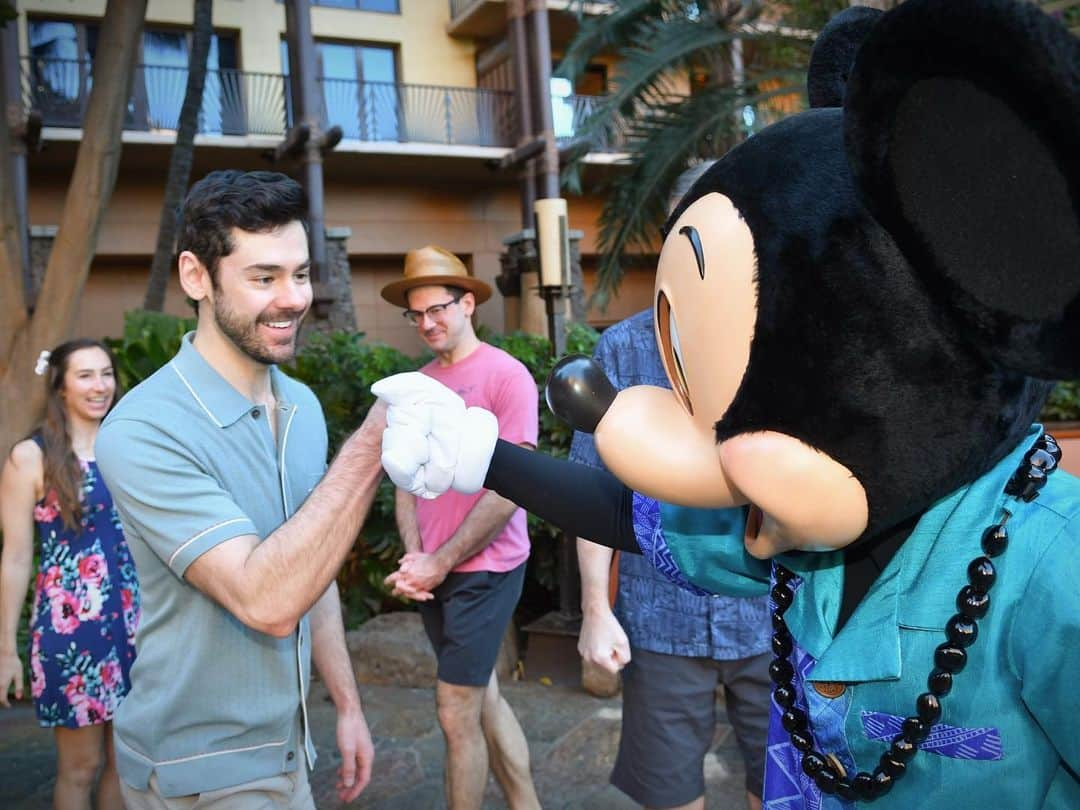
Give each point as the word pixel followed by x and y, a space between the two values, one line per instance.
pixel 244 335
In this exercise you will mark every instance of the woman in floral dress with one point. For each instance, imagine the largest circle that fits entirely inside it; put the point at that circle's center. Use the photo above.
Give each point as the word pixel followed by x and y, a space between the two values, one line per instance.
pixel 86 596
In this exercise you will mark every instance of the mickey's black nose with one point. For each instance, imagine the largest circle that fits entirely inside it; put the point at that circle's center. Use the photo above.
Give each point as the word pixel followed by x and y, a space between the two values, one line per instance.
pixel 579 392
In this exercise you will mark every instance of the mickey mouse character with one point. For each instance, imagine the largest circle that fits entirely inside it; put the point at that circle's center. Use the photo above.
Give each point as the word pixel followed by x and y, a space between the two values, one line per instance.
pixel 859 309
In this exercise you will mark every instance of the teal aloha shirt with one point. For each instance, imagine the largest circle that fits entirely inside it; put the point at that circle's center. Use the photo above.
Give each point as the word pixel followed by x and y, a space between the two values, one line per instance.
pixel 1008 736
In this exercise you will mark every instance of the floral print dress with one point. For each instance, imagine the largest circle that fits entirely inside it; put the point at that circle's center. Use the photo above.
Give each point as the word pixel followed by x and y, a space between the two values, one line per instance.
pixel 86 608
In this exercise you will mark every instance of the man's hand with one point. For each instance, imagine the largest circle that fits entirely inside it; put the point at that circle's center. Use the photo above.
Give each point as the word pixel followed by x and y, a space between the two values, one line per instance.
pixel 11 676
pixel 423 571
pixel 357 752
pixel 602 641
pixel 432 441
pixel 417 576
pixel 403 587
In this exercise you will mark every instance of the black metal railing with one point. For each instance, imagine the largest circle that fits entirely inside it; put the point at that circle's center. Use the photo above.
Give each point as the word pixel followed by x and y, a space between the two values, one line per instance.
pixel 242 103
pixel 458 7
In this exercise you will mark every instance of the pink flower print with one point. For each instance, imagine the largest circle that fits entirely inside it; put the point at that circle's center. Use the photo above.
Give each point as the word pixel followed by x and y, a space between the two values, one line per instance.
pixel 37 674
pixel 92 568
pixel 110 699
pixel 65 612
pixel 49 509
pixel 53 581
pixel 88 711
pixel 90 602
pixel 75 688
pixel 109 671
pixel 127 599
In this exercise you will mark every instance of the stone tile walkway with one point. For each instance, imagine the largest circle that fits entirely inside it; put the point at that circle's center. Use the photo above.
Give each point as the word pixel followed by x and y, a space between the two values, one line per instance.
pixel 572 739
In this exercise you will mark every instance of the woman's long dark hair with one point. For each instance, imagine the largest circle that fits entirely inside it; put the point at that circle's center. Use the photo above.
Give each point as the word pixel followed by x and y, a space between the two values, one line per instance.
pixel 62 472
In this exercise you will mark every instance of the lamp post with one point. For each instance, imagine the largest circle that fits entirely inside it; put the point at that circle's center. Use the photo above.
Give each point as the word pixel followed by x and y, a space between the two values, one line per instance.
pixel 553 248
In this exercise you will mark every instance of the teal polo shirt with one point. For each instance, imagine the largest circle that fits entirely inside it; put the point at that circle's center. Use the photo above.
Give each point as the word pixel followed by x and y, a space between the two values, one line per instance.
pixel 1017 693
pixel 192 463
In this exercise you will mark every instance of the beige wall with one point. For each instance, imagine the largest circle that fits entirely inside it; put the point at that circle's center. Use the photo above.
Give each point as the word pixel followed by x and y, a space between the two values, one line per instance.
pixel 386 219
pixel 426 55
pixel 391 203
pixel 117 284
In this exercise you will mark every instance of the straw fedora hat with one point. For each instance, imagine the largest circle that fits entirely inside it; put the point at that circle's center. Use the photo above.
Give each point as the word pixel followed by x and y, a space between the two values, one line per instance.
pixel 433 265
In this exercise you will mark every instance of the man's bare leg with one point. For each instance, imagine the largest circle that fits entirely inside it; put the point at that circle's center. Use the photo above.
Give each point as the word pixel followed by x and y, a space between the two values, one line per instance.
pixel 508 749
pixel 459 710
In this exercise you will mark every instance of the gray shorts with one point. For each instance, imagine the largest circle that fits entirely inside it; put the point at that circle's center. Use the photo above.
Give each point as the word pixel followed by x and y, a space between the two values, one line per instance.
pixel 669 722
pixel 466 622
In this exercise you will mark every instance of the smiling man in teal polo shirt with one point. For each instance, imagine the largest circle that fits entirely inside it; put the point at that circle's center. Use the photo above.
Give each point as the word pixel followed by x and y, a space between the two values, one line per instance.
pixel 216 464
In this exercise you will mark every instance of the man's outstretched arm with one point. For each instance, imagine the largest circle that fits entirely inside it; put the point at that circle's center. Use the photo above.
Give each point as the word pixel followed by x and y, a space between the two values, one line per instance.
pixel 269 584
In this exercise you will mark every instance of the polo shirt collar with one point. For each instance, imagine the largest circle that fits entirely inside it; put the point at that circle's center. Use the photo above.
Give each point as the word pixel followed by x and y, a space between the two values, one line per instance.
pixel 216 396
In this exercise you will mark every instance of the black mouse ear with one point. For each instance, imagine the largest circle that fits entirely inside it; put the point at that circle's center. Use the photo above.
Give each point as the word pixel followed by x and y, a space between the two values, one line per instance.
pixel 962 125
pixel 834 54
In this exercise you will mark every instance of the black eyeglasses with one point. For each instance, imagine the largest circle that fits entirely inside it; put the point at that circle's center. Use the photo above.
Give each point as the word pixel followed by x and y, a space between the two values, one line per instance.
pixel 416 316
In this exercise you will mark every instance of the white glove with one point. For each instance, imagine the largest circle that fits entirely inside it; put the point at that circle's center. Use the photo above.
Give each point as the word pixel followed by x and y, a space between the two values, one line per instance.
pixel 432 442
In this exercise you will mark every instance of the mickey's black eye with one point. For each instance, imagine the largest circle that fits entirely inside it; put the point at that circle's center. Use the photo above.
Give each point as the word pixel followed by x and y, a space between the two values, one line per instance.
pixel 690 232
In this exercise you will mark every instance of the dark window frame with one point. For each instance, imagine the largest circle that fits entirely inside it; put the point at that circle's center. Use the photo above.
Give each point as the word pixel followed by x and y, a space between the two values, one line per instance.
pixel 138 108
pixel 357 6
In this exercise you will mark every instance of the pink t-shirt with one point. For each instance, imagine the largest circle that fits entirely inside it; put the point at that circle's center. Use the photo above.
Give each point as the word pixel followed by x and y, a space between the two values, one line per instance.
pixel 492 379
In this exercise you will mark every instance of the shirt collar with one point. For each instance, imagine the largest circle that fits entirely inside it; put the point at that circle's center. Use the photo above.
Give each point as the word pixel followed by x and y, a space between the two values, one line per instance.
pixel 945 539
pixel 215 395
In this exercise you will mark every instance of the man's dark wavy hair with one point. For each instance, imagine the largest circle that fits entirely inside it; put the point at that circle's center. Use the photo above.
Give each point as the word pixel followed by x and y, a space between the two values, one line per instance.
pixel 255 202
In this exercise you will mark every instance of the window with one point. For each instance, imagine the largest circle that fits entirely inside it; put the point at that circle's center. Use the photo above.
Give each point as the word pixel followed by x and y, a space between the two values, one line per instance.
pixel 593 82
pixel 562 107
pixel 359 84
pixel 165 56
pixel 60 57
pixel 385 6
pixel 62 52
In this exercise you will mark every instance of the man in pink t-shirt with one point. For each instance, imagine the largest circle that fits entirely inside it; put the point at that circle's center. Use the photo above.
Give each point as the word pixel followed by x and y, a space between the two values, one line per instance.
pixel 465 554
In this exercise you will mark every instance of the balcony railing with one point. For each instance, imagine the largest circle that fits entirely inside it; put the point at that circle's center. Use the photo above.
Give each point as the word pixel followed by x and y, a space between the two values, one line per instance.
pixel 569 114
pixel 242 103
pixel 457 7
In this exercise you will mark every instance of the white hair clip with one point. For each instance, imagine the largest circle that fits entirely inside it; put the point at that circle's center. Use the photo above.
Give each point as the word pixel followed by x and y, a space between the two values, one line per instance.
pixel 42 364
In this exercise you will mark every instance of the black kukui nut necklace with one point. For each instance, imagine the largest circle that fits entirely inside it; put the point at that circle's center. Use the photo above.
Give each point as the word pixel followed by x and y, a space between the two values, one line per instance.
pixel 961 630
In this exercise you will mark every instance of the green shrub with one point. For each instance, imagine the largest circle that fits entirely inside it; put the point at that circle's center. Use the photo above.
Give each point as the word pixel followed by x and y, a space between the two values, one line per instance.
pixel 1063 404
pixel 150 340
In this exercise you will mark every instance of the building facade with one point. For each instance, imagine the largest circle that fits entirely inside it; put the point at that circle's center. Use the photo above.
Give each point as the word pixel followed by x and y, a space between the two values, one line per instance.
pixel 422 89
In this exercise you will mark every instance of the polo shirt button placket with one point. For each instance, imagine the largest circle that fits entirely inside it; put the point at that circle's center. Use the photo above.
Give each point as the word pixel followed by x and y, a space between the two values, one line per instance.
pixel 255 413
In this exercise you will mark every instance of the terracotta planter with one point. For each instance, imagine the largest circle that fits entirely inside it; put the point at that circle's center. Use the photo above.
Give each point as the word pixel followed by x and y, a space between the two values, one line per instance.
pixel 1068 436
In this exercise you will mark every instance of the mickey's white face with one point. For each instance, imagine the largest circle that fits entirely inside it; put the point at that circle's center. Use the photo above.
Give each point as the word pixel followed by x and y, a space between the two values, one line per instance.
pixel 663 444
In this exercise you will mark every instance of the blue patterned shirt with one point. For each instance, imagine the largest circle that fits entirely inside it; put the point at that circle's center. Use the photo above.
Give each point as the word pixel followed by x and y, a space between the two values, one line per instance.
pixel 656 614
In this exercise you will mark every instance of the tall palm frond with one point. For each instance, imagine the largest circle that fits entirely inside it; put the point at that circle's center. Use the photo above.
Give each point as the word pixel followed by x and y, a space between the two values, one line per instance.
pixel 660 146
pixel 649 74
pixel 660 46
pixel 596 34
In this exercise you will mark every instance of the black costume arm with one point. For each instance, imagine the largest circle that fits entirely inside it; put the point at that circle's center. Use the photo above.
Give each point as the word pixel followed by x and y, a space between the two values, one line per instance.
pixel 581 500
